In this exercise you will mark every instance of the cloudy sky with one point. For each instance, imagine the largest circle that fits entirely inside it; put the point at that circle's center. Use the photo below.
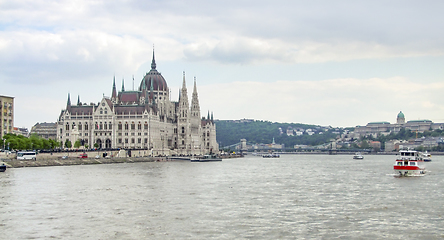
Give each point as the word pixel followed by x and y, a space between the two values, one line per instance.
pixel 340 63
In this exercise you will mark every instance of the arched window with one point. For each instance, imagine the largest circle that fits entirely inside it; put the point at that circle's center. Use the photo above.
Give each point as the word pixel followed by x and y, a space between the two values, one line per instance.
pixel 133 126
pixel 139 126
pixel 86 126
pixel 126 126
pixel 119 126
pixel 67 127
pixel 80 126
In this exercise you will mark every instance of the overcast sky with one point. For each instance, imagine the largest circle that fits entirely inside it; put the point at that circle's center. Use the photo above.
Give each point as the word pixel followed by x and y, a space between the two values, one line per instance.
pixel 339 63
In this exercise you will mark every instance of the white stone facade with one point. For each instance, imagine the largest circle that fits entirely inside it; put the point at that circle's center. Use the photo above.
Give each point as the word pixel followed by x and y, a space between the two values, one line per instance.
pixel 144 119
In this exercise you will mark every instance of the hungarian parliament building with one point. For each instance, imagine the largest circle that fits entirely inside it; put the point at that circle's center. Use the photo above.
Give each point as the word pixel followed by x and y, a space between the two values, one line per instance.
pixel 143 119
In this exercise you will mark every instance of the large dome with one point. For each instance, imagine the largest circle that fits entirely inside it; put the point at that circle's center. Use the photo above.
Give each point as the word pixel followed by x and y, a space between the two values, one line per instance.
pixel 153 78
pixel 401 115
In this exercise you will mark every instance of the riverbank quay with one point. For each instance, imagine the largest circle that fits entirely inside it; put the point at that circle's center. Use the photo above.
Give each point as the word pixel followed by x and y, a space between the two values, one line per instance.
pixel 76 161
pixel 66 159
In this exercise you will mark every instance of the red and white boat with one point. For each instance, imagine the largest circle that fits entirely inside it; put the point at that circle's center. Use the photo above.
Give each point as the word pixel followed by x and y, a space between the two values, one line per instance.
pixel 409 163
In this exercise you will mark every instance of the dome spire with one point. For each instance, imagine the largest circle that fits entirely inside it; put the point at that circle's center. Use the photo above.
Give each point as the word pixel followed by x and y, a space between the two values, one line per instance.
pixel 153 62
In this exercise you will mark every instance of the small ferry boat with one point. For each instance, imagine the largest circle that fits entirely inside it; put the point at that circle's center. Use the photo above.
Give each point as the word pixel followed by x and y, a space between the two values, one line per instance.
pixel 426 157
pixel 207 158
pixel 2 167
pixel 358 155
pixel 408 163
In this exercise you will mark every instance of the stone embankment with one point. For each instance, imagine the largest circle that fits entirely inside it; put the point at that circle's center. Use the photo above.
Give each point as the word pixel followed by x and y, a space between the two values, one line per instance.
pixel 61 159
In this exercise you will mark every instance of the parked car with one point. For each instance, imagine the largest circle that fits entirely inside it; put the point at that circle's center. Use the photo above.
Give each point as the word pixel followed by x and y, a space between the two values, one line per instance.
pixel 83 155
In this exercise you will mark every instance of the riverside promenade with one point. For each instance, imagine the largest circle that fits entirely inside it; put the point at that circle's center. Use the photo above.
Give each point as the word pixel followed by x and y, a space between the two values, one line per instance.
pixel 65 159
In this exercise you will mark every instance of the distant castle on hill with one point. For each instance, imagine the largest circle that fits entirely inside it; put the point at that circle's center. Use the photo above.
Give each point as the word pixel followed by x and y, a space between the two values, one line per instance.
pixel 374 128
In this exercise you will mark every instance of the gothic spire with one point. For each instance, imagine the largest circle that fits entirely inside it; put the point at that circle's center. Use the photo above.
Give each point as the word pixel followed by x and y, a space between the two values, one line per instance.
pixel 123 85
pixel 184 85
pixel 195 88
pixel 68 103
pixel 114 94
pixel 78 100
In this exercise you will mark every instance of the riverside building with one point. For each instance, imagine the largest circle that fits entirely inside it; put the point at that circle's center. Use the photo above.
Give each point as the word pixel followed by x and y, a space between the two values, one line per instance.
pixel 6 115
pixel 144 119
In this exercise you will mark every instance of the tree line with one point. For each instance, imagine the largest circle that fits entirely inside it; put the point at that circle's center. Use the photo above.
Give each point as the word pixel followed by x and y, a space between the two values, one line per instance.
pixel 34 142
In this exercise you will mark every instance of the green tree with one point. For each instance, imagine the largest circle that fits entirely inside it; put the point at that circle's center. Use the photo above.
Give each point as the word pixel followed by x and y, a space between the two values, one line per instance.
pixel 77 144
pixel 365 145
pixel 68 144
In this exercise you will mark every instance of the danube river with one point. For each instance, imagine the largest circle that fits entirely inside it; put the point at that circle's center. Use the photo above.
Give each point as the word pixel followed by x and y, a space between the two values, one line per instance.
pixel 293 197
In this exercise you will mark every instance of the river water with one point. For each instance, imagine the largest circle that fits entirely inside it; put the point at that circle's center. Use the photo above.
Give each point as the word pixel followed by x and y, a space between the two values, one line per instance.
pixel 293 197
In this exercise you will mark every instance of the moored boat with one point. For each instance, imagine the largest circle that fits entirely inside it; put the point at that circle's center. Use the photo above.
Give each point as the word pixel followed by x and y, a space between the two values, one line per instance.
pixel 207 158
pixel 271 155
pixel 358 155
pixel 408 163
pixel 2 167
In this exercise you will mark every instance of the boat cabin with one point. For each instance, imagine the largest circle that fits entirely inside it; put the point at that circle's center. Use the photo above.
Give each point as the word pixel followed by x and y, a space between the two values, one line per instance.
pixel 406 163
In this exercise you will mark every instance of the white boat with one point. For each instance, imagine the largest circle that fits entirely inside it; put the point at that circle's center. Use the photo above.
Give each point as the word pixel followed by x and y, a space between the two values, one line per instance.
pixel 358 155
pixel 409 163
pixel 271 155
pixel 426 157
pixel 207 158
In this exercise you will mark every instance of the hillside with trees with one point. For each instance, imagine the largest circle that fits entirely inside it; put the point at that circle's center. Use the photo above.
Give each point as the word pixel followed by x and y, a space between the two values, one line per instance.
pixel 230 132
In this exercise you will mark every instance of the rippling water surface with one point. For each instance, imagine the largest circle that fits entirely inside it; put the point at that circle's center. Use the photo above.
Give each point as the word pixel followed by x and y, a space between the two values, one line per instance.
pixel 293 197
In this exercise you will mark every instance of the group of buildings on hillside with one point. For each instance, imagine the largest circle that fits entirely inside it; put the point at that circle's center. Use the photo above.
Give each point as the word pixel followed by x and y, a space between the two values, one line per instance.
pixel 145 118
pixel 349 138
pixel 376 129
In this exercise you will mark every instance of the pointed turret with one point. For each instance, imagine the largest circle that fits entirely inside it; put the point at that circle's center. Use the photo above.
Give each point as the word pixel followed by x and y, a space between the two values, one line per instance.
pixel 78 100
pixel 195 120
pixel 114 94
pixel 184 141
pixel 123 85
pixel 68 103
pixel 184 85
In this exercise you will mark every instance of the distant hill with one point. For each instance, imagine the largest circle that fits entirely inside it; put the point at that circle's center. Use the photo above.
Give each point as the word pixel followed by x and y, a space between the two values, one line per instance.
pixel 256 131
